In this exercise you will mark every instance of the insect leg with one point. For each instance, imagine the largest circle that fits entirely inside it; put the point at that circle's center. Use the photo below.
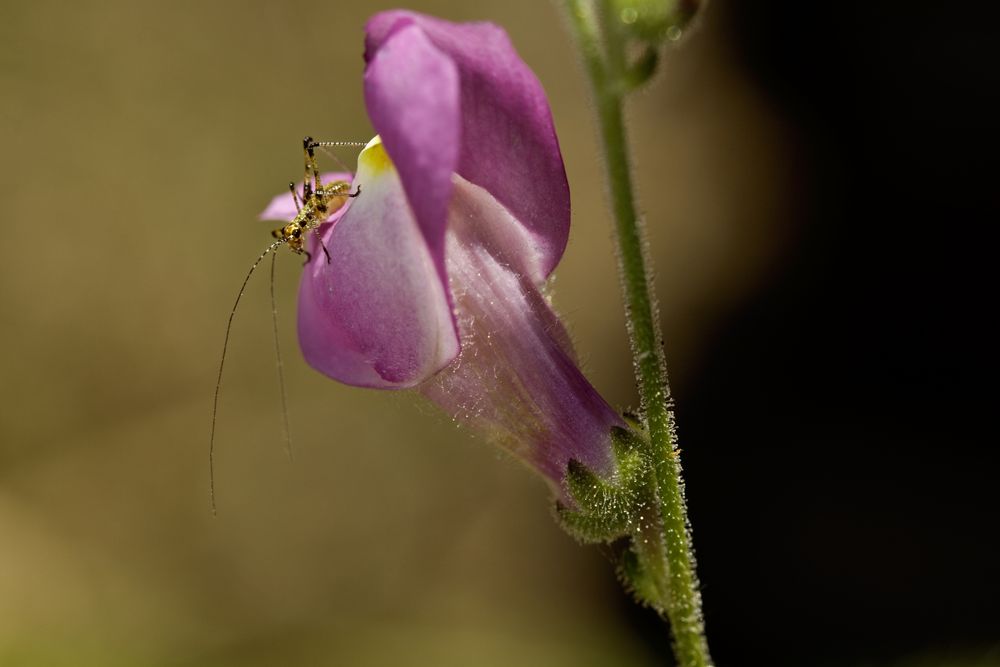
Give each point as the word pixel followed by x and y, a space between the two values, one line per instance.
pixel 323 246
pixel 307 150
pixel 309 145
pixel 295 196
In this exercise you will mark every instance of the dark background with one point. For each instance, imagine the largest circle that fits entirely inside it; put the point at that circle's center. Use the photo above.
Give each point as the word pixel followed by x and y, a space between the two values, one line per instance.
pixel 818 183
pixel 847 407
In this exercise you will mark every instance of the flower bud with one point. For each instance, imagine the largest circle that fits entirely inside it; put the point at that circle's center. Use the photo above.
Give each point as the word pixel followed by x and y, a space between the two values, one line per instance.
pixel 654 21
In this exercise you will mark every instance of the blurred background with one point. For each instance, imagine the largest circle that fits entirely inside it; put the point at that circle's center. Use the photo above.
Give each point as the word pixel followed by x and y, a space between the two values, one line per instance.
pixel 814 184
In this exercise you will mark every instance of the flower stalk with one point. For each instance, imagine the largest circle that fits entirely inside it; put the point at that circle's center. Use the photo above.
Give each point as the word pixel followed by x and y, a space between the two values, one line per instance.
pixel 663 543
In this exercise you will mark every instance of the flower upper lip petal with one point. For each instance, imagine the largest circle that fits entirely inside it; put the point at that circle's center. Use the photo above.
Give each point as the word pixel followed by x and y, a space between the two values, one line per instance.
pixel 507 139
pixel 412 95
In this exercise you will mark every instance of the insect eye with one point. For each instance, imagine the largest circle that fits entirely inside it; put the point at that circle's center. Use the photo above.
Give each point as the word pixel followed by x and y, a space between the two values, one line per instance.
pixel 296 232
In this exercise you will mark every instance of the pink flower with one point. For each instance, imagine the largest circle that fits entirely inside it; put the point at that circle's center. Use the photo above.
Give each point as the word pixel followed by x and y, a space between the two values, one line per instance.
pixel 438 270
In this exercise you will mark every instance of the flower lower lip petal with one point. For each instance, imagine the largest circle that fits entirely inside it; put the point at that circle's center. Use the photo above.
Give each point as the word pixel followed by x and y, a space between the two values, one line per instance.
pixel 376 315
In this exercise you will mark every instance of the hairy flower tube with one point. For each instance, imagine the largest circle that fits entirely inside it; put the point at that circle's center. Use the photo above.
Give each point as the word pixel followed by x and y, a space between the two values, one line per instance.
pixel 437 271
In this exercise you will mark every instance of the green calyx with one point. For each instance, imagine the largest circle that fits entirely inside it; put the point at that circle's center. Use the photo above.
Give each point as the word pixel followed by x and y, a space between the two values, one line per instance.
pixel 606 509
pixel 621 511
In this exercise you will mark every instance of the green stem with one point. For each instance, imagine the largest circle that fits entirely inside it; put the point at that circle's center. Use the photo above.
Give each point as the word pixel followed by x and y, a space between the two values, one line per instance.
pixel 680 597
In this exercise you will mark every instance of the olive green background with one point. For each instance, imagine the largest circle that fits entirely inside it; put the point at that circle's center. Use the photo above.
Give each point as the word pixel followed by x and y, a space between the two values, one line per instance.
pixel 139 141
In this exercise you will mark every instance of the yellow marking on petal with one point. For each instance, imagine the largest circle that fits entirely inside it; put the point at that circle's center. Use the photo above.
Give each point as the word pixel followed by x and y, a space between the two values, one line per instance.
pixel 374 157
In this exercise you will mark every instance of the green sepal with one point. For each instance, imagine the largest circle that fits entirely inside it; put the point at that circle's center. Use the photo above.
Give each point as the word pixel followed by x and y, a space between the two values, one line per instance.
pixel 633 418
pixel 603 510
pixel 606 509
pixel 635 579
pixel 633 466
pixel 590 528
pixel 626 443
pixel 616 510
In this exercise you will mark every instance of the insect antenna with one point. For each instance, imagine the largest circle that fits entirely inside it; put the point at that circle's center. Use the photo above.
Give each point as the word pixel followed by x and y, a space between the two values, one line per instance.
pixel 280 365
pixel 337 144
pixel 326 145
pixel 222 364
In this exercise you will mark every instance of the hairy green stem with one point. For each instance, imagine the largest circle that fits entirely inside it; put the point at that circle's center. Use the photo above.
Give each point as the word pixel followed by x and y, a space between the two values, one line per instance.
pixel 665 546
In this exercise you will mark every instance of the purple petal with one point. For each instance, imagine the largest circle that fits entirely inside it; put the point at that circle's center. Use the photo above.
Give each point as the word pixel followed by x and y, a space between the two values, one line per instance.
pixel 378 314
pixel 516 379
pixel 508 142
pixel 411 90
pixel 282 207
